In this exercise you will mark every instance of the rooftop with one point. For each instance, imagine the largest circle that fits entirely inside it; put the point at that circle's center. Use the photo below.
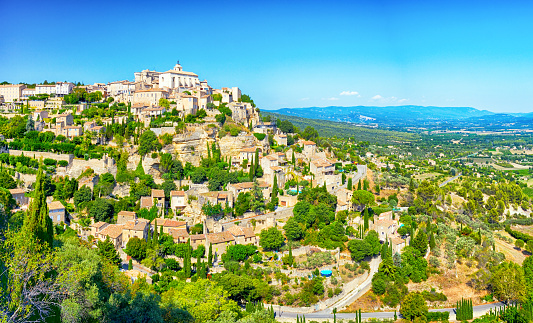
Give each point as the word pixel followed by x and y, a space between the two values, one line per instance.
pixel 55 205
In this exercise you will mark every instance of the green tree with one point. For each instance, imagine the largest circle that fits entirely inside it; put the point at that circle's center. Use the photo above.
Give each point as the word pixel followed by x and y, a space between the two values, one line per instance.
pixel 292 229
pixel 271 239
pixel 101 210
pixel 84 194
pixel 136 248
pixel 106 249
pixel 414 306
pixel 38 222
pixel 7 181
pixel 148 142
pixel 362 198
pixel 420 242
pixel 210 256
pixel 508 282
pixel 349 185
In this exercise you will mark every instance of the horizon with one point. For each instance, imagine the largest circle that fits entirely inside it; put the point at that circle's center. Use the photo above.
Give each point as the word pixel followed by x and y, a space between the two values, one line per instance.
pixel 443 54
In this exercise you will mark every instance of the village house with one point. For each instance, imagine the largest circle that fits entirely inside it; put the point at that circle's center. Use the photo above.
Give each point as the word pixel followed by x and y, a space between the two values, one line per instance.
pixel 197 239
pixel 237 188
pixel 57 212
pixel 135 228
pixel 179 235
pixel 178 201
pixel 168 224
pixel 150 97
pixel 321 168
pixel 19 196
pixel 217 197
pixel 159 198
pixel 243 235
pixel 187 104
pixel 125 216
pixel 65 119
pixel 97 227
pixel 219 241
pixel 114 232
pixel 248 154
pixel 281 139
pixel 309 148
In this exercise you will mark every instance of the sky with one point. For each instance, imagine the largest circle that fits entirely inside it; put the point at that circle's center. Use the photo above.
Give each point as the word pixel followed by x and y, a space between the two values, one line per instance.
pixel 286 54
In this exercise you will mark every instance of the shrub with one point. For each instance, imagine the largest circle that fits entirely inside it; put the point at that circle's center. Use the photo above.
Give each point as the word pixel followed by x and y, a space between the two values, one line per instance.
pixel 63 163
pixel 259 136
pixel 50 162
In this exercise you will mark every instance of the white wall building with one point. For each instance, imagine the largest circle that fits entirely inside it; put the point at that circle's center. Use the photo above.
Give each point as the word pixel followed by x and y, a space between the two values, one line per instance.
pixel 177 78
pixel 11 92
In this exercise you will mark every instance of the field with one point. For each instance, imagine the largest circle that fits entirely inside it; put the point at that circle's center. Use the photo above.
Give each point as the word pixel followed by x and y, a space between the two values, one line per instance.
pixel 426 176
pixel 508 249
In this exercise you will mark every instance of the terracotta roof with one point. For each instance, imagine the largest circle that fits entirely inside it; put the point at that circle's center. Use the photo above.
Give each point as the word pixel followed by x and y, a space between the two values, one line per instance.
pixel 249 185
pixel 249 150
pixel 113 231
pixel 282 136
pixel 179 233
pixel 220 237
pixel 158 193
pixel 307 142
pixel 98 225
pixel 177 193
pixel 146 202
pixel 126 213
pixel 136 225
pixel 270 157
pixel 397 240
pixel 16 191
pixel 170 223
pixel 386 223
pixel 321 163
pixel 55 205
pixel 197 237
pixel 152 90
pixel 238 231
pixel 276 168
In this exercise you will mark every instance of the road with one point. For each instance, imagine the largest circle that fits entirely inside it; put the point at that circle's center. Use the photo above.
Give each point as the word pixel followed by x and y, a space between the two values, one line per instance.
pixel 450 179
pixel 478 311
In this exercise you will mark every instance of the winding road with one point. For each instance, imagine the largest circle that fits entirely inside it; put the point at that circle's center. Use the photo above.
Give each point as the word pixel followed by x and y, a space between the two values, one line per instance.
pixel 478 311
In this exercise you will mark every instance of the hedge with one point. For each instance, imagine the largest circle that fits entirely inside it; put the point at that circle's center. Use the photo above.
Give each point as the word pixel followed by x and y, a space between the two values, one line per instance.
pixel 259 136
pixel 518 235
pixel 438 316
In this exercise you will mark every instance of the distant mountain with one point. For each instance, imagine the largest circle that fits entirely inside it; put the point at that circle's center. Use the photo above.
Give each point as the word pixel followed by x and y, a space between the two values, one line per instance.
pixel 405 115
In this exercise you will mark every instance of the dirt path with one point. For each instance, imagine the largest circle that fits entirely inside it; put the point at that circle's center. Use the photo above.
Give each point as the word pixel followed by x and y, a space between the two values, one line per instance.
pixel 510 251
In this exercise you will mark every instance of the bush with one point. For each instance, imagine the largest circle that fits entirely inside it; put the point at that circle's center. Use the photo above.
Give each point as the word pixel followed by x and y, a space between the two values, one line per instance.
pixel 259 136
pixel 438 316
pixel 63 163
pixel 50 162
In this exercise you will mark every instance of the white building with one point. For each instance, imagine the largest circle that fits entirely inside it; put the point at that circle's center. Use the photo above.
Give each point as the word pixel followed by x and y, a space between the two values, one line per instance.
pixel 178 79
pixel 64 88
pixel 11 92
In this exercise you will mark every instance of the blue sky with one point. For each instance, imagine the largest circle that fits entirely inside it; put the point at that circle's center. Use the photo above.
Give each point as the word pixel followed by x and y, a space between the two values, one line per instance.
pixel 287 54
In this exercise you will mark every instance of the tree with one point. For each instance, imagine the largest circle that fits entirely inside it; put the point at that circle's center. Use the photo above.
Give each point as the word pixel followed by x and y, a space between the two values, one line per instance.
pixel 413 306
pixel 372 238
pixel 362 198
pixel 106 249
pixel 38 222
pixel 84 194
pixel 136 248
pixel 101 210
pixel 293 231
pixel 508 282
pixel 148 142
pixel 210 256
pixel 271 239
pixel 349 185
pixel 359 249
pixel 420 242
pixel 519 243
pixel 7 181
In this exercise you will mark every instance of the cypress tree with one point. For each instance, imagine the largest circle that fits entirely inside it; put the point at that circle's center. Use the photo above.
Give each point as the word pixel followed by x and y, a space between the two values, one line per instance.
pixel 349 185
pixel 359 185
pixel 130 265
pixel 155 239
pixel 293 159
pixel 210 256
pixel 187 260
pixel 38 221
pixel 365 217
pixel 432 243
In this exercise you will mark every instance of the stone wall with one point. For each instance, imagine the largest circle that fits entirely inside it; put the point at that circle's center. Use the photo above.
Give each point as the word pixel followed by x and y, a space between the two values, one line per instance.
pixel 42 154
pixel 100 166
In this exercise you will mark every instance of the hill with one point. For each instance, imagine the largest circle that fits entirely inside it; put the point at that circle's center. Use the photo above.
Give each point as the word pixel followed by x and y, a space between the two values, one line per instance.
pixel 345 130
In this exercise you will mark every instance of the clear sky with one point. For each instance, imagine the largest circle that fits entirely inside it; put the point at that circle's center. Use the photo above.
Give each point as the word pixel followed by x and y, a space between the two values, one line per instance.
pixel 286 53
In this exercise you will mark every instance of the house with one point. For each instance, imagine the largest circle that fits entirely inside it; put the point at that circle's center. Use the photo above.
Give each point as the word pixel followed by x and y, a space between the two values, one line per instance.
pixel 114 232
pixel 287 200
pixel 321 167
pixel 178 201
pixel 218 197
pixel 66 119
pixel 97 227
pixel 281 139
pixel 150 97
pixel 11 92
pixel 69 131
pixel 135 228
pixel 197 239
pixel 177 78
pixel 344 196
pixel 248 154
pixel 125 216
pixel 159 198
pixel 244 235
pixel 309 148
pixel 237 188
pixel 188 104
pixel 385 228
pixel 219 241
pixel 39 115
pixel 138 108
pixel 168 224
pixel 153 112
pixel 57 212
pixel 398 244
pixel 179 235
pixel 146 202
pixel 20 198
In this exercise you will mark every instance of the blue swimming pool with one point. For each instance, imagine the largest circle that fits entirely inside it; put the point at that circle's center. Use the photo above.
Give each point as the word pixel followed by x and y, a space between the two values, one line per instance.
pixel 326 272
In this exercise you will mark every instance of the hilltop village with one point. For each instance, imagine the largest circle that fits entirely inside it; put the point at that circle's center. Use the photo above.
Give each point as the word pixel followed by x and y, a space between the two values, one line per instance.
pixel 166 194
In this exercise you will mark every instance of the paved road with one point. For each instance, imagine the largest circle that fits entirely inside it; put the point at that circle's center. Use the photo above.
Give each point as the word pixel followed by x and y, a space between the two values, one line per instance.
pixel 478 311
pixel 450 179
